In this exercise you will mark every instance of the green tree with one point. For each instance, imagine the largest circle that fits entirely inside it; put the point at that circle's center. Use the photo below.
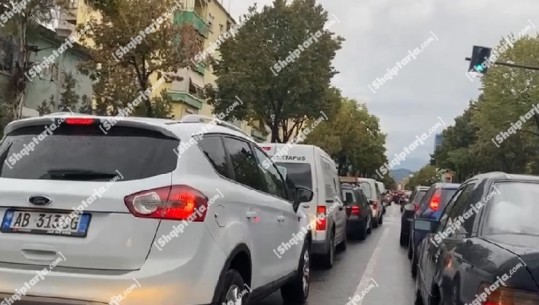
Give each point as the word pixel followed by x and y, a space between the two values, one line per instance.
pixel 123 68
pixel 26 16
pixel 426 176
pixel 299 91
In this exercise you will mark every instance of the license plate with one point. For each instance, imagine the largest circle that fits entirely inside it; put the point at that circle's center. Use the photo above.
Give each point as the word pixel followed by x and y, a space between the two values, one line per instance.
pixel 47 223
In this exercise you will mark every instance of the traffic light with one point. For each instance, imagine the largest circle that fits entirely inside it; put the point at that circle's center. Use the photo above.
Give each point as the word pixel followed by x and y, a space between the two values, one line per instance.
pixel 479 56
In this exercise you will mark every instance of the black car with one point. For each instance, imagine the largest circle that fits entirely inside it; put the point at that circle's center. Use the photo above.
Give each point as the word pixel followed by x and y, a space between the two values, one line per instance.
pixel 408 211
pixel 430 208
pixel 485 248
pixel 359 222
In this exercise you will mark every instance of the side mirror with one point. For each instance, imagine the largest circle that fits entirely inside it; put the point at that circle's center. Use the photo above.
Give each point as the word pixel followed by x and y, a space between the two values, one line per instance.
pixel 302 195
pixel 426 225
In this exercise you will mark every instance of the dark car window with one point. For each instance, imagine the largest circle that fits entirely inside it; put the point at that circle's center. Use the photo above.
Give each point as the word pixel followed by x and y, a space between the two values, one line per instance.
pixel 419 195
pixel 86 153
pixel 214 150
pixel 272 176
pixel 445 214
pixel 460 207
pixel 513 210
pixel 446 196
pixel 245 165
pixel 348 197
pixel 298 173
pixel 363 201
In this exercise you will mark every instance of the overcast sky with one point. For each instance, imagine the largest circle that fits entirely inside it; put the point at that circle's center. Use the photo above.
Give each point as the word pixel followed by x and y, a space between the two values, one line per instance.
pixel 379 33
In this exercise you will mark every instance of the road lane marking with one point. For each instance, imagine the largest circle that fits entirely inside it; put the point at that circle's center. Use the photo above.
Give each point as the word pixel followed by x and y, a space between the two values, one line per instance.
pixel 368 275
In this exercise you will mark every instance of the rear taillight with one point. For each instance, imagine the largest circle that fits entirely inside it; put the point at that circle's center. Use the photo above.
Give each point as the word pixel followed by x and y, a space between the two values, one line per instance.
pixel 177 202
pixel 321 222
pixel 355 210
pixel 507 296
pixel 416 206
pixel 434 203
pixel 80 121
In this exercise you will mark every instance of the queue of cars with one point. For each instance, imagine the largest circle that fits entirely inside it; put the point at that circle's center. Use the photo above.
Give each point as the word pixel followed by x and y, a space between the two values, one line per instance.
pixel 477 242
pixel 209 216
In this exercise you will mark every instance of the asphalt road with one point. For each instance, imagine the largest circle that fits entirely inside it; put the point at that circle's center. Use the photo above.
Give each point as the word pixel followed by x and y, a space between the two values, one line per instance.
pixel 378 266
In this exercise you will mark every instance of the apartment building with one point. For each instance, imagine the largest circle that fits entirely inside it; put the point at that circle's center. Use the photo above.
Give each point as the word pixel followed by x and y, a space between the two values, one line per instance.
pixel 211 20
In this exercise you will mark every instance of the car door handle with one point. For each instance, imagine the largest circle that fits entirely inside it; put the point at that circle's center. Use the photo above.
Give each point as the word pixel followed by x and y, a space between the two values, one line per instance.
pixel 306 206
pixel 281 218
pixel 251 214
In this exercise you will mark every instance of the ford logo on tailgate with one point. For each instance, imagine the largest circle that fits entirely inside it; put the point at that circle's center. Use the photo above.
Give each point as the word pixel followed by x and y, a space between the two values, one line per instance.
pixel 40 200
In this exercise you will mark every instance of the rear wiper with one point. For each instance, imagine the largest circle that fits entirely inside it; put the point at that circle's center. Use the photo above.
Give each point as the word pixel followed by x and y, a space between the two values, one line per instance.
pixel 77 174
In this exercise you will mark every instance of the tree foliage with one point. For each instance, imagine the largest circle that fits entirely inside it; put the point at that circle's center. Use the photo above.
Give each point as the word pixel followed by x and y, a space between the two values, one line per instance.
pixel 426 176
pixel 475 143
pixel 22 18
pixel 134 43
pixel 284 102
pixel 353 138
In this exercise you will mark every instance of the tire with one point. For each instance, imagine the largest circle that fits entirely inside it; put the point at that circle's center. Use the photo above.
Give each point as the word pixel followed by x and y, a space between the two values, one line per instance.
pixel 381 219
pixel 375 223
pixel 410 253
pixel 418 299
pixel 233 286
pixel 342 245
pixel 363 232
pixel 403 240
pixel 328 259
pixel 414 265
pixel 296 291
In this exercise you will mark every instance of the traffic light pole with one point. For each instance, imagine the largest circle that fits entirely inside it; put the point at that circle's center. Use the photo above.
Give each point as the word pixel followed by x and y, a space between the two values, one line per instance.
pixel 510 65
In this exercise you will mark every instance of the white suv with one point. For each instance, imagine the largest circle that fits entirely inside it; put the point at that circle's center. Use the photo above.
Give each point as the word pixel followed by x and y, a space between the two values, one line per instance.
pixel 145 211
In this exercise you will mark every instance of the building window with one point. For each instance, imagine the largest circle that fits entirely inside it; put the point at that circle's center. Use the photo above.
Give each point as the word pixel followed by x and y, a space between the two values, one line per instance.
pixel 210 22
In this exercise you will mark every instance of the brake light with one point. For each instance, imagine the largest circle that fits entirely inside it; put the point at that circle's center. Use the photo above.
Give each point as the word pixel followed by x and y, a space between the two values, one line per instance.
pixel 177 202
pixel 321 222
pixel 507 296
pixel 435 201
pixel 355 210
pixel 80 121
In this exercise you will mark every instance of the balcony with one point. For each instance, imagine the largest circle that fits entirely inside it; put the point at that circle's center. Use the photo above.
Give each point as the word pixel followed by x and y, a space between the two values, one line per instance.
pixel 194 19
pixel 200 68
pixel 186 98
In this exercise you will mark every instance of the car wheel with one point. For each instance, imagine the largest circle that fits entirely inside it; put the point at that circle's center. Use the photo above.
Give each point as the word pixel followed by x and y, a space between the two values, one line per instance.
pixel 418 298
pixel 363 232
pixel 410 248
pixel 414 265
pixel 403 240
pixel 234 289
pixel 381 219
pixel 329 258
pixel 375 222
pixel 342 245
pixel 297 290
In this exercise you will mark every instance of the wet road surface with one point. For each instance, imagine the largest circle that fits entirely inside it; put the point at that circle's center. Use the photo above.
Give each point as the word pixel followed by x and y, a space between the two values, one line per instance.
pixel 378 266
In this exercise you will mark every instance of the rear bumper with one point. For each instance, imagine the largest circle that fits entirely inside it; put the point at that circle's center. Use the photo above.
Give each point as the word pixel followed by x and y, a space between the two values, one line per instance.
pixel 355 225
pixel 175 281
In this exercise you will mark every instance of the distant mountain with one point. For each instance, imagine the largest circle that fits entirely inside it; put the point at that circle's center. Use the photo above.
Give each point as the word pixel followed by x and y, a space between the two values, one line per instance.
pixel 399 174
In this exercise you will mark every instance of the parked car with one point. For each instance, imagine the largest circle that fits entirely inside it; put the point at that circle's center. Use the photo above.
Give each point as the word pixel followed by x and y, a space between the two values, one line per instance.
pixel 485 248
pixel 431 207
pixel 409 210
pixel 358 211
pixel 371 190
pixel 311 167
pixel 187 218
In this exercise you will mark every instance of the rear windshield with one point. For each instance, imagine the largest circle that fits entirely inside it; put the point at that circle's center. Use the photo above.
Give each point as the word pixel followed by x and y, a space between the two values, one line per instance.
pixel 419 195
pixel 366 188
pixel 86 153
pixel 446 196
pixel 514 209
pixel 348 196
pixel 299 173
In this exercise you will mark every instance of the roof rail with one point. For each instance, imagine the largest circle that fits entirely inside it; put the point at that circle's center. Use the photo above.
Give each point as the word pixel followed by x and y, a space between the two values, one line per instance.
pixel 198 118
pixel 66 113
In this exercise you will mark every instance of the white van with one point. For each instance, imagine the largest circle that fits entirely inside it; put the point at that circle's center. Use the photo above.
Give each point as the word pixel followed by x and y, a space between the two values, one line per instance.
pixel 309 166
pixel 372 190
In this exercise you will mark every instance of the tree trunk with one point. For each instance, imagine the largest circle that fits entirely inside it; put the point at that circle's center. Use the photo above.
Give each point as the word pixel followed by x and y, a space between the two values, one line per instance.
pixel 275 133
